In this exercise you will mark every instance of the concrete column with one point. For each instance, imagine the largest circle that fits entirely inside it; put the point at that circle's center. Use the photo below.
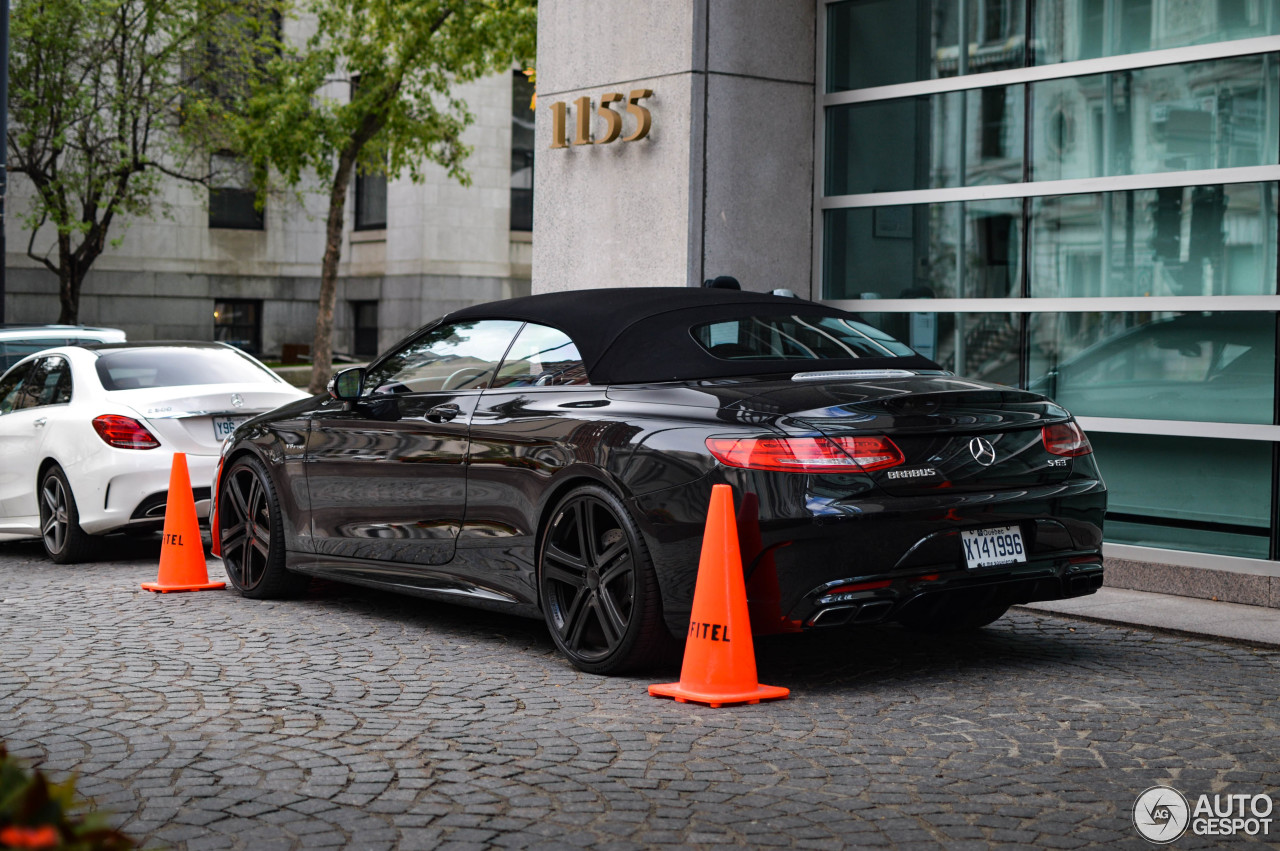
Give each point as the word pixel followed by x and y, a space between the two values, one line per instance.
pixel 723 184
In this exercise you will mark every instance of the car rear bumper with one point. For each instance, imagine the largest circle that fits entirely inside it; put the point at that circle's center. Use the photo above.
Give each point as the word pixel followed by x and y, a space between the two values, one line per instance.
pixel 884 552
pixel 134 494
pixel 1050 579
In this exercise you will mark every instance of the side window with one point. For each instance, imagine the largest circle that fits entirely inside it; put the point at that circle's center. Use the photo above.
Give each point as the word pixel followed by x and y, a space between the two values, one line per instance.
pixel 11 386
pixel 48 383
pixel 54 377
pixel 458 356
pixel 541 357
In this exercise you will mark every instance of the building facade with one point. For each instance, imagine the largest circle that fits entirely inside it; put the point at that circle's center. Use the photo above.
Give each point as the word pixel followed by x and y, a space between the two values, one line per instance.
pixel 1074 196
pixel 210 266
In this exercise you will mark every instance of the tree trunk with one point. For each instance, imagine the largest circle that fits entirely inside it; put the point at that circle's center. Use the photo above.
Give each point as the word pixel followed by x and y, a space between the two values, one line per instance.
pixel 322 345
pixel 70 279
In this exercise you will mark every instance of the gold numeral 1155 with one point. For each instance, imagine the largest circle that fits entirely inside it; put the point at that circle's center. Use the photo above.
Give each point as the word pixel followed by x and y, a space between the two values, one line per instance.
pixel 613 120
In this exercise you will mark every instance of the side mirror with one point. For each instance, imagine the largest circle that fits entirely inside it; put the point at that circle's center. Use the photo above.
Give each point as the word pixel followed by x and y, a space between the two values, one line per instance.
pixel 346 386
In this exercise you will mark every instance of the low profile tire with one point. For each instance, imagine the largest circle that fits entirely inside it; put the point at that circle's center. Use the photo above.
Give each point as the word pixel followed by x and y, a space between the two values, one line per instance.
pixel 599 592
pixel 64 541
pixel 251 532
pixel 945 615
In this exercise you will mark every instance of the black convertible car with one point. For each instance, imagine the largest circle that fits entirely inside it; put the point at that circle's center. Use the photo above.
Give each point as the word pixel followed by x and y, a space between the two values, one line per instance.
pixel 553 456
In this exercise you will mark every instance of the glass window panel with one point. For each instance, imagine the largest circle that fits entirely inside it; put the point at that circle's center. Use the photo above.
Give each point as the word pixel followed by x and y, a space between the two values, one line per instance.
pixel 1195 240
pixel 1067 30
pixel 458 356
pixel 541 357
pixel 364 328
pixel 232 199
pixel 882 42
pixel 1150 502
pixel 239 323
pixel 915 143
pixel 1210 367
pixel 155 366
pixel 11 396
pixel 522 103
pixel 1172 118
pixel 371 201
pixel 911 251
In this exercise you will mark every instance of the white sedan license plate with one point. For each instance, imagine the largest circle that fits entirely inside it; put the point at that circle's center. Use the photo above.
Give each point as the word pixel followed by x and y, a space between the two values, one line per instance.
pixel 223 426
pixel 990 547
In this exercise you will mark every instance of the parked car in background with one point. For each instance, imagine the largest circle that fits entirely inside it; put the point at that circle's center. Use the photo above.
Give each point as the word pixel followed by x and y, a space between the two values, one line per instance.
pixel 554 455
pixel 87 434
pixel 18 341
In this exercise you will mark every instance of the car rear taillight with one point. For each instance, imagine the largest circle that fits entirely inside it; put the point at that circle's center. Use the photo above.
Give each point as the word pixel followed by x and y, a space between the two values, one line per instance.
pixel 123 432
pixel 1065 439
pixel 807 454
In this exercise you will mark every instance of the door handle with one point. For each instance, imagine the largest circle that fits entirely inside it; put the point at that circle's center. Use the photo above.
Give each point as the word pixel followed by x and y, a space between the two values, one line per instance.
pixel 39 423
pixel 443 413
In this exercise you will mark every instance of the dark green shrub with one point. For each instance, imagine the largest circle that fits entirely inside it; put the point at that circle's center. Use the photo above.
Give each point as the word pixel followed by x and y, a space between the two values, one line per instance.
pixel 35 813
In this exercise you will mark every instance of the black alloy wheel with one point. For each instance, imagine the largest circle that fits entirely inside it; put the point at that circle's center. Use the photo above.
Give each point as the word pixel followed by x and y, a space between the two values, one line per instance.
pixel 252 535
pixel 599 594
pixel 64 541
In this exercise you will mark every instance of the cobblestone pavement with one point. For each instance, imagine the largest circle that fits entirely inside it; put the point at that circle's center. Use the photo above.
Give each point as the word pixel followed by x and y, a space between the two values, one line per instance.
pixel 360 719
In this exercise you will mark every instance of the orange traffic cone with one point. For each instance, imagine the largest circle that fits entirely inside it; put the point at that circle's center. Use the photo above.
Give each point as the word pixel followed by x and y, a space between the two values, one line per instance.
pixel 719 659
pixel 182 566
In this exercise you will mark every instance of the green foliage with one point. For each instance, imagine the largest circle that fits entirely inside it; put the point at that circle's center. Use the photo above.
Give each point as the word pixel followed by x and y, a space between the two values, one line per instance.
pixel 107 96
pixel 35 813
pixel 405 57
pixel 372 90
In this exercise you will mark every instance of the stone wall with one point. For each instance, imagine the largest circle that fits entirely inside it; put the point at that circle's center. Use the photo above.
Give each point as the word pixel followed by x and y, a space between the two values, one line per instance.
pixel 723 185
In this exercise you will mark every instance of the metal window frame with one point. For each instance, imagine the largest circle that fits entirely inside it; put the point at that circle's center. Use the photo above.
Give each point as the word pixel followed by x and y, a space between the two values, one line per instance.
pixel 1027 190
pixel 1059 71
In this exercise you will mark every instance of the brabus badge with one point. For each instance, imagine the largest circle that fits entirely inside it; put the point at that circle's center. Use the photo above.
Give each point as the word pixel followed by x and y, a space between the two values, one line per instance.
pixel 237 400
pixel 982 451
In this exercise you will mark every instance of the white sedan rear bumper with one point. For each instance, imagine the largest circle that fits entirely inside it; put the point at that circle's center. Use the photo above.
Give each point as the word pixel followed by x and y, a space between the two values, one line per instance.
pixel 111 489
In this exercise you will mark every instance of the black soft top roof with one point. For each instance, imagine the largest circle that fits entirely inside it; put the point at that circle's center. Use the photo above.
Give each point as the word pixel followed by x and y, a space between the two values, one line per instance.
pixel 642 334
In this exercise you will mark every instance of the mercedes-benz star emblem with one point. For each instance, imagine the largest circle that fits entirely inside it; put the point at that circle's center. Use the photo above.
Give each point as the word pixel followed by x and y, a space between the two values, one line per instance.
pixel 237 400
pixel 982 451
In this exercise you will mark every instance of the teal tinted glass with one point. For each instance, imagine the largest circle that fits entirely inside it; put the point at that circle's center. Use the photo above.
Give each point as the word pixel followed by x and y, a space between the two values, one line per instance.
pixel 1186 493
pixel 911 251
pixel 1067 30
pixel 915 143
pixel 881 42
pixel 1170 118
pixel 1194 240
pixel 1210 367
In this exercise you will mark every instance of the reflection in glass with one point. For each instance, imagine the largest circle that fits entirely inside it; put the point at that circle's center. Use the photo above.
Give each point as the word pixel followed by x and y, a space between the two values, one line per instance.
pixel 1209 367
pixel 1067 30
pixel 1216 114
pixel 915 143
pixel 957 250
pixel 458 356
pixel 1195 240
pixel 541 357
pixel 883 42
pixel 1186 493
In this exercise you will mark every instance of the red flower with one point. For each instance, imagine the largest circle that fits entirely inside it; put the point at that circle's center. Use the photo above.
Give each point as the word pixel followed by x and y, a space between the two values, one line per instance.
pixel 16 836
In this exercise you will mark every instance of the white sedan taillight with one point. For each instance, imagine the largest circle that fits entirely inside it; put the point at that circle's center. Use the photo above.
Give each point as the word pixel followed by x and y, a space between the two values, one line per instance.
pixel 124 432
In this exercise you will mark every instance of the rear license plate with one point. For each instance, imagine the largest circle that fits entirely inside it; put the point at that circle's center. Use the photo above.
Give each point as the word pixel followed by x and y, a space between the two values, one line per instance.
pixel 990 547
pixel 223 426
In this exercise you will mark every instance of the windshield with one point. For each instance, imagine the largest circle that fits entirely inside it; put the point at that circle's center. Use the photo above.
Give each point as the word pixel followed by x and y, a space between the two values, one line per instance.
pixel 796 338
pixel 164 366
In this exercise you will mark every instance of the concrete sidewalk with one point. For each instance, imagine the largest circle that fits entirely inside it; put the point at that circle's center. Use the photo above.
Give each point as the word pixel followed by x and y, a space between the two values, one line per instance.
pixel 1255 625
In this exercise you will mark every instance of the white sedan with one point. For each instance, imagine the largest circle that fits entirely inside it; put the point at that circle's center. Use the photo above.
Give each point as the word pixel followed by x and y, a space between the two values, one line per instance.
pixel 87 434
